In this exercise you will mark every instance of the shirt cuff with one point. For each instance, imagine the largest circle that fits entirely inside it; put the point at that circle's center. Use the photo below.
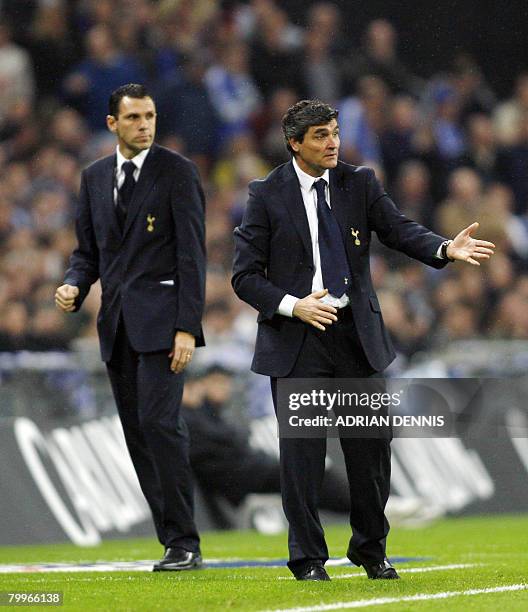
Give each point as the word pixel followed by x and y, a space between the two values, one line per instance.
pixel 287 305
pixel 441 253
pixel 438 254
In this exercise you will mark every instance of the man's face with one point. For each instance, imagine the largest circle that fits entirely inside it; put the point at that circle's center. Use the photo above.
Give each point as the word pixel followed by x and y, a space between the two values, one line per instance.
pixel 134 126
pixel 319 148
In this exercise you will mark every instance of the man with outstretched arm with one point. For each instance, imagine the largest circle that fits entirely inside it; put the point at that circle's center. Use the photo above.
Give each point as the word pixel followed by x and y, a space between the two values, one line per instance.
pixel 302 260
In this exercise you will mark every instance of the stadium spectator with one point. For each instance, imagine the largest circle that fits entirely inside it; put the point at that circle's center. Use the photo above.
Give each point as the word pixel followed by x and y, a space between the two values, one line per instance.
pixel 105 68
pixel 275 46
pixel 321 73
pixel 398 135
pixel 464 200
pixel 474 94
pixel 232 90
pixel 180 29
pixel 16 75
pixel 327 19
pixel 513 162
pixel 508 115
pixel 223 461
pixel 412 191
pixel 239 164
pixel 52 47
pixel 185 110
pixel 511 314
pixel 47 330
pixel 458 322
pixel 69 132
pixel 498 219
pixel 14 324
pixel 499 279
pixel 267 126
pixel 482 148
pixel 378 56
pixel 94 12
pixel 408 331
pixel 447 129
pixel 362 120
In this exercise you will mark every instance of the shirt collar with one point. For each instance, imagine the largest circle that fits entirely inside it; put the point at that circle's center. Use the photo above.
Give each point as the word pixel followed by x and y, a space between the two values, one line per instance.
pixel 138 160
pixel 307 180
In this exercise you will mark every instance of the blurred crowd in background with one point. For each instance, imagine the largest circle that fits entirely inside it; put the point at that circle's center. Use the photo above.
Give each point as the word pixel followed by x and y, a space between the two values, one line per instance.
pixel 447 149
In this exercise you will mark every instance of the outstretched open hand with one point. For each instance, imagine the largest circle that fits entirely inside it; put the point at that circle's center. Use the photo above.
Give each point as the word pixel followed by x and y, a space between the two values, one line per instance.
pixel 465 248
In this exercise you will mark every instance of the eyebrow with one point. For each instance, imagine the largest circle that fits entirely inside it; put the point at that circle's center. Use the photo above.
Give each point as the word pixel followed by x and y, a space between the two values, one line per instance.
pixel 325 129
pixel 137 114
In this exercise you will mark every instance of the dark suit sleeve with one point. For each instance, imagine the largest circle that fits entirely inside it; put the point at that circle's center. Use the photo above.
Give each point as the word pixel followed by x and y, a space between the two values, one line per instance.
pixel 398 232
pixel 188 207
pixel 252 244
pixel 84 261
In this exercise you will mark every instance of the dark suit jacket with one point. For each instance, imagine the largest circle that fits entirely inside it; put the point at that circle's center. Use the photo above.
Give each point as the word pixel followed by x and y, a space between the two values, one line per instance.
pixel 273 257
pixel 132 264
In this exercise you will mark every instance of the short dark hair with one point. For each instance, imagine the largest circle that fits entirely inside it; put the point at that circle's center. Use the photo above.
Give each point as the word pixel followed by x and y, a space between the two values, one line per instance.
pixel 132 90
pixel 303 115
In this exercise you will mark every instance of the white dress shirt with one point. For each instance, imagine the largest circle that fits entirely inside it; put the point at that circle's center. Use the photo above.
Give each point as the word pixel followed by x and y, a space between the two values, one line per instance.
pixel 309 197
pixel 138 161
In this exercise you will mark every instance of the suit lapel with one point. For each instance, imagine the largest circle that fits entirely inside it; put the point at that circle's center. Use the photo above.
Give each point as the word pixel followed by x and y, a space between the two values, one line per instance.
pixel 340 201
pixel 291 194
pixel 106 195
pixel 148 175
pixel 347 215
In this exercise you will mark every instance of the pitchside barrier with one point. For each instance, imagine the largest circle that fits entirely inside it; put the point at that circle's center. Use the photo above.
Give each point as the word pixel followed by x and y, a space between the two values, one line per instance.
pixel 66 476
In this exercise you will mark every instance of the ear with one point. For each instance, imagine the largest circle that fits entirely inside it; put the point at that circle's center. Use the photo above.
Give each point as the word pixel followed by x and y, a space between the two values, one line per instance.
pixel 111 123
pixel 293 144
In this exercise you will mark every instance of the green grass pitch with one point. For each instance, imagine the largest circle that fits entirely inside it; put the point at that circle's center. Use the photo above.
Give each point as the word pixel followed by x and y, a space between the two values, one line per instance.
pixel 493 549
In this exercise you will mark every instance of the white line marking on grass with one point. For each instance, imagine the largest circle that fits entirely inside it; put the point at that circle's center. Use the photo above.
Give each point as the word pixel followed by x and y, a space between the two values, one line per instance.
pixel 404 570
pixel 339 561
pixel 118 566
pixel 418 570
pixel 364 603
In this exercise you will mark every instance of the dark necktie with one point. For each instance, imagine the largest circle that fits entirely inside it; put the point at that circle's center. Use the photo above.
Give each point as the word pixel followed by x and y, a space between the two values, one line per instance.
pixel 334 263
pixel 126 192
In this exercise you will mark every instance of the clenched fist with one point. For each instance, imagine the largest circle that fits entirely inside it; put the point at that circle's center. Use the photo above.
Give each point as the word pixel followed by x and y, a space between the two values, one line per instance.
pixel 65 297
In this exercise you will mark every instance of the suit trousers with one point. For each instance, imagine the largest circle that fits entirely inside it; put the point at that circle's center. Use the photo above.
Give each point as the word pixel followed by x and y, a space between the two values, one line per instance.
pixel 148 397
pixel 334 353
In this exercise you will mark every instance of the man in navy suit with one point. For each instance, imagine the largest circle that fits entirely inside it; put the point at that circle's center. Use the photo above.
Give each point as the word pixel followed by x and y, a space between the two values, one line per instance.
pixel 140 230
pixel 302 260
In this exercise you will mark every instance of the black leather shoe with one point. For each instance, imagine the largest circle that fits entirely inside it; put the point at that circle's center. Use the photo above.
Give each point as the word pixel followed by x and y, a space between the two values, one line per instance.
pixel 313 572
pixel 177 560
pixel 375 571
pixel 381 571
